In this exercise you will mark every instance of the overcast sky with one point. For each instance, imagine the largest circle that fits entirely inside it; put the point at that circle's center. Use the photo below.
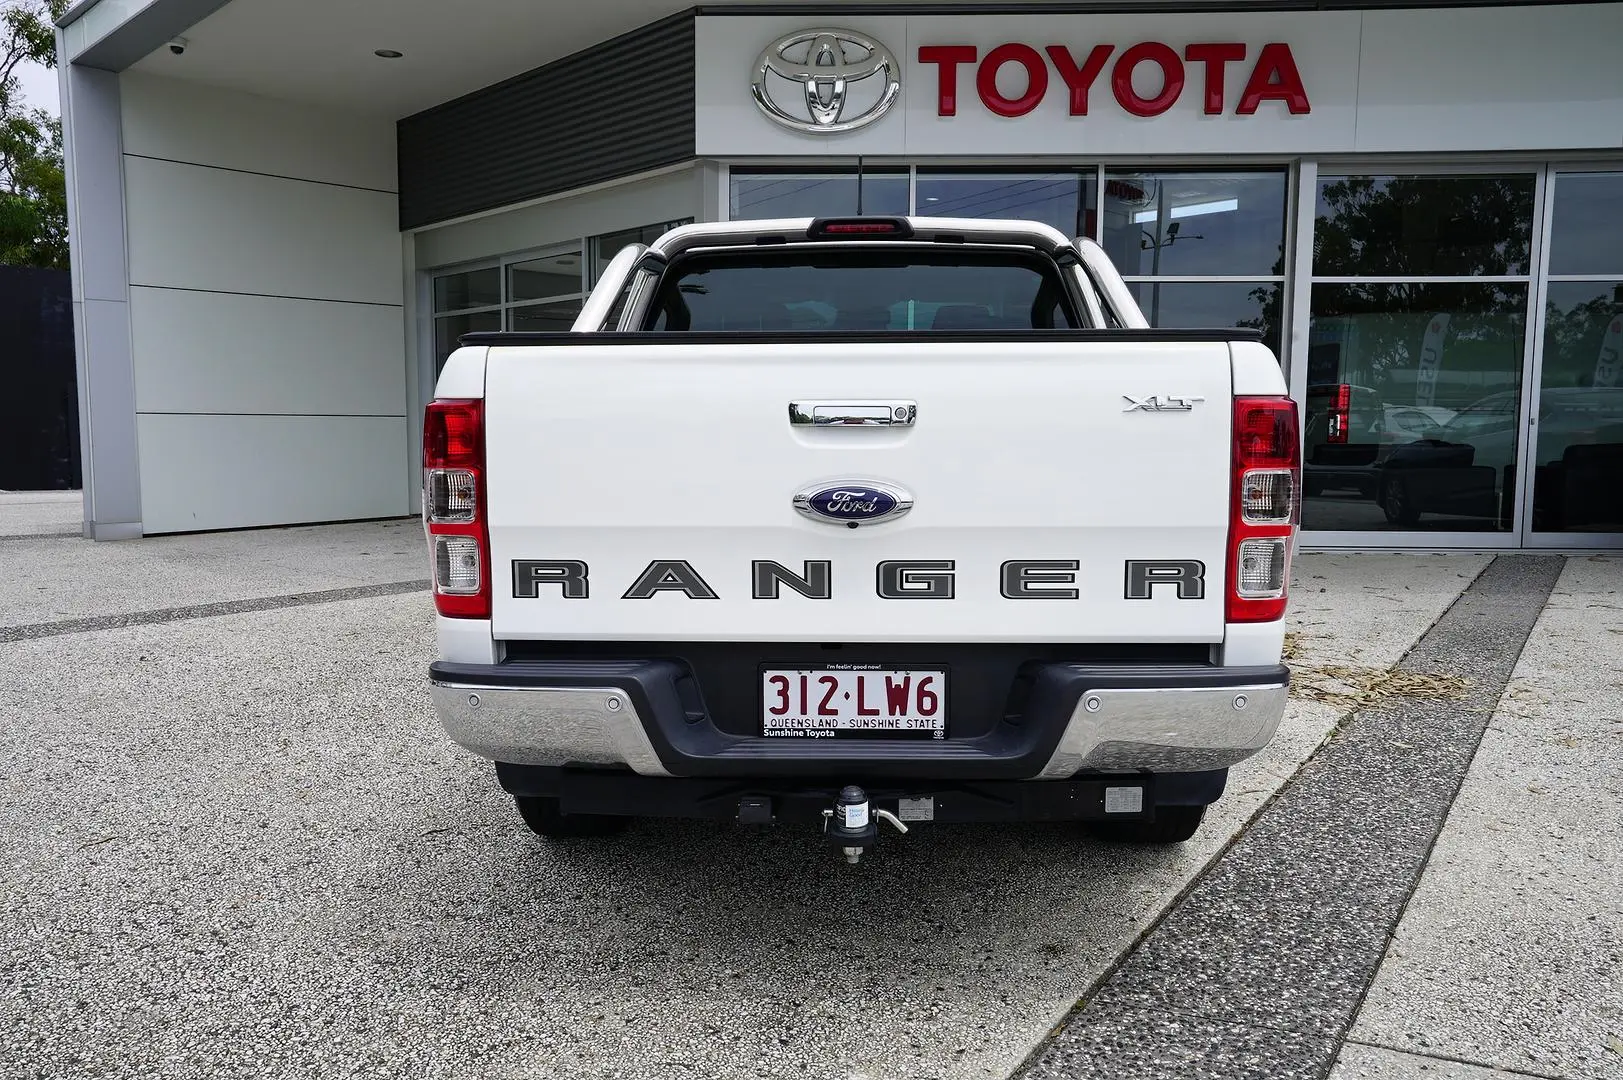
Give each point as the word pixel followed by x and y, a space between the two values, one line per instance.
pixel 39 87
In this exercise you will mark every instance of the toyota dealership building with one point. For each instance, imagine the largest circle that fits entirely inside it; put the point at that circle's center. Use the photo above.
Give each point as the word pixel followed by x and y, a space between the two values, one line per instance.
pixel 284 213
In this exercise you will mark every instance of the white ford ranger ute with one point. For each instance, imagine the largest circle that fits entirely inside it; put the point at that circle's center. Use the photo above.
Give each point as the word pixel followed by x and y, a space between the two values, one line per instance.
pixel 860 522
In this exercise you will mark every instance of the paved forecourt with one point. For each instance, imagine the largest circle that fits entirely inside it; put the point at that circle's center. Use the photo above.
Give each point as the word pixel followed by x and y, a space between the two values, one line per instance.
pixel 238 844
pixel 1510 954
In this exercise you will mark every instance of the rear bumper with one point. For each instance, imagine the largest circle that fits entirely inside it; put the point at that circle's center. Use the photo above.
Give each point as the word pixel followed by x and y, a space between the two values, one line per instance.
pixel 648 716
pixel 757 801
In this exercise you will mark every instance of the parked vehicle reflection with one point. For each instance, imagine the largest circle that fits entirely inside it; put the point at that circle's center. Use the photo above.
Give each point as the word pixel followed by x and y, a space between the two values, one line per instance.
pixel 1467 466
pixel 1349 431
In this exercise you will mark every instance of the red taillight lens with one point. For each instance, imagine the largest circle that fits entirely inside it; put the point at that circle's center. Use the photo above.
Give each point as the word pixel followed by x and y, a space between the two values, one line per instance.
pixel 1266 507
pixel 453 434
pixel 1341 415
pixel 454 507
pixel 1265 433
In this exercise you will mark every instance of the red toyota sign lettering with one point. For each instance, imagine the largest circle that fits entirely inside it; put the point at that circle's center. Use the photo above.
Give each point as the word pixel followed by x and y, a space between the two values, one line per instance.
pixel 1036 79
pixel 1216 56
pixel 1121 78
pixel 1273 76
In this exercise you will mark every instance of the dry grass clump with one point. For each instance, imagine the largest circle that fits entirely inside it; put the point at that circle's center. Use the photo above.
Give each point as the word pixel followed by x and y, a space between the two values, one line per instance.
pixel 1352 686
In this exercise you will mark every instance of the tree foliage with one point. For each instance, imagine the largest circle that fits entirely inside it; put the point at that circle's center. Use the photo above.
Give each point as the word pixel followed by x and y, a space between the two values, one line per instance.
pixel 1412 228
pixel 33 195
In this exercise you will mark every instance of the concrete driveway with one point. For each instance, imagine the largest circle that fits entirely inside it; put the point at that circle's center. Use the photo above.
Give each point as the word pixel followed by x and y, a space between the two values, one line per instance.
pixel 238 844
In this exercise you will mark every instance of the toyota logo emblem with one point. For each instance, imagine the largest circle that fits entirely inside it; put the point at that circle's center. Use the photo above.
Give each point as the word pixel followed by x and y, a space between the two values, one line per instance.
pixel 833 72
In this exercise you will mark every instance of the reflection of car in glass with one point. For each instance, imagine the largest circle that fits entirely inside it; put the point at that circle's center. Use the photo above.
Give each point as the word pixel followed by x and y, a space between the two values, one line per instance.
pixel 1467 465
pixel 1348 431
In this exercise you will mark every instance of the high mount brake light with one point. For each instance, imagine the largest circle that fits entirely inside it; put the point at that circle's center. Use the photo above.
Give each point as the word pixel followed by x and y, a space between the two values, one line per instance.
pixel 1265 509
pixel 823 228
pixel 454 507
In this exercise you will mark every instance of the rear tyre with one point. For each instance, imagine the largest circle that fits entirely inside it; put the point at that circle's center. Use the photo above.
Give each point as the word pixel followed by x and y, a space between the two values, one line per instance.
pixel 1172 825
pixel 1399 508
pixel 544 818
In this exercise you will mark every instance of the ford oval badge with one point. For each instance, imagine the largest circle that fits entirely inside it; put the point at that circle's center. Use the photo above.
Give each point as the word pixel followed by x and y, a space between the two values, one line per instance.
pixel 853 502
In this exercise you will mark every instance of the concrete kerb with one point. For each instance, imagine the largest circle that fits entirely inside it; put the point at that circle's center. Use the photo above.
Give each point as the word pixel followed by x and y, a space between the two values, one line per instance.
pixel 201 611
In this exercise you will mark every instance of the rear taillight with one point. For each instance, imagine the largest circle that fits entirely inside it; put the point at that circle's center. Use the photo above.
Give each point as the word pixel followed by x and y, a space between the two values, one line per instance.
pixel 454 507
pixel 1340 415
pixel 1266 507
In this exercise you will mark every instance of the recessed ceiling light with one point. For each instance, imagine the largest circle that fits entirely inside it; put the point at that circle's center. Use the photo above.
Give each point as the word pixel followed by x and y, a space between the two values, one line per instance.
pixel 388 54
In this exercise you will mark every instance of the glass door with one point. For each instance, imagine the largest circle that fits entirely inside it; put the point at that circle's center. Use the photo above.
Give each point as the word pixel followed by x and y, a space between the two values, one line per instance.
pixel 1575 423
pixel 1417 341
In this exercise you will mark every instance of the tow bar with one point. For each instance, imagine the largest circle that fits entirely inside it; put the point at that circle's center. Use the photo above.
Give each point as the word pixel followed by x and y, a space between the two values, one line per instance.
pixel 853 828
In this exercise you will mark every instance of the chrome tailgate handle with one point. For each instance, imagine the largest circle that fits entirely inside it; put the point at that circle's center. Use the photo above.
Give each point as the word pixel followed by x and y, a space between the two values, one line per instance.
pixel 852 413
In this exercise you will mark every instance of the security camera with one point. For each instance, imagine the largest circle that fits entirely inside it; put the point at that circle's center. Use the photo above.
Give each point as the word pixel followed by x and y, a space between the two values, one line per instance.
pixel 177 45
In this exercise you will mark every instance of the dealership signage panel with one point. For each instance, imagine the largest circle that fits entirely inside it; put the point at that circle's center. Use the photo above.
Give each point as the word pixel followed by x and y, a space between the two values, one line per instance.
pixel 1282 83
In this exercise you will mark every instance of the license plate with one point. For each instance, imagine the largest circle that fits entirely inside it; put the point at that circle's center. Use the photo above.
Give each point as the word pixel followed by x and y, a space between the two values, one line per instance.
pixel 853 703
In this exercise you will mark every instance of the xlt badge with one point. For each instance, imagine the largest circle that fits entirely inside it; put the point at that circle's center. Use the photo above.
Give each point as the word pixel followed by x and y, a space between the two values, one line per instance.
pixel 1162 403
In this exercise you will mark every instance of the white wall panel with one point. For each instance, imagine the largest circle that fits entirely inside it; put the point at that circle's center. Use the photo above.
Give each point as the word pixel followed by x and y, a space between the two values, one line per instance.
pixel 266 316
pixel 222 472
pixel 225 352
pixel 1491 79
pixel 181 121
pixel 625 206
pixel 200 228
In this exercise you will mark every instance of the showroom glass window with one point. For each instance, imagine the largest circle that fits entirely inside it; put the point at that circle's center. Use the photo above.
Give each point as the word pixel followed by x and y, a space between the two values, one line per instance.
pixel 775 193
pixel 1063 199
pixel 1417 337
pixel 1578 442
pixel 545 292
pixel 465 301
pixel 1200 249
pixel 540 290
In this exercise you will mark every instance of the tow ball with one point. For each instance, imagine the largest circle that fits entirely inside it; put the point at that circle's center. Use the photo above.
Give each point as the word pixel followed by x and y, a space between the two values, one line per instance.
pixel 850 824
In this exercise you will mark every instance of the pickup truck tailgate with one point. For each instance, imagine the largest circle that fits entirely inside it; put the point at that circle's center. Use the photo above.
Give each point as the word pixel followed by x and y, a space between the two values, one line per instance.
pixel 636 488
